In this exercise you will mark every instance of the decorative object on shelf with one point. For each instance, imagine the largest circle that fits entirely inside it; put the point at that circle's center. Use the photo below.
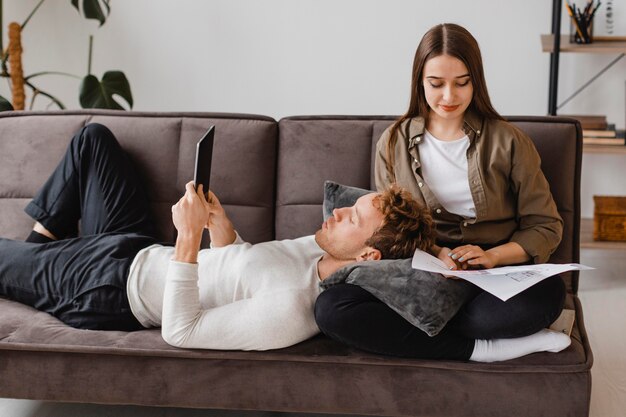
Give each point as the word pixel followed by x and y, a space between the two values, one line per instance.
pixel 609 218
pixel 609 17
pixel 581 21
pixel 93 93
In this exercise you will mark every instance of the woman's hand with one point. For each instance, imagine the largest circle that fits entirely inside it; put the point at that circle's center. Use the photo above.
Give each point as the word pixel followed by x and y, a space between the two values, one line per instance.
pixel 473 257
pixel 442 254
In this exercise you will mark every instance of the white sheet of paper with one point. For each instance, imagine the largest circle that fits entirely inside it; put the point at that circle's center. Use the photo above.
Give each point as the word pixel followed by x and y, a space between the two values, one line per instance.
pixel 504 282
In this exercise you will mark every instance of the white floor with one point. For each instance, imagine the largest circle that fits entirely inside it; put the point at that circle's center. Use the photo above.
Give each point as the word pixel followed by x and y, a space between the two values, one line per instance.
pixel 603 295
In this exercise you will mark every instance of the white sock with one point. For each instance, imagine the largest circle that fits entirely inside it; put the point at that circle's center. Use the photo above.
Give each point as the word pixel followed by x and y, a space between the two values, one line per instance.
pixel 504 349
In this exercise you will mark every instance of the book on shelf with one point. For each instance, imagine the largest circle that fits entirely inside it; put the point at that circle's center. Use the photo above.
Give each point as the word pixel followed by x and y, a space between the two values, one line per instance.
pixel 603 141
pixel 596 133
pixel 589 121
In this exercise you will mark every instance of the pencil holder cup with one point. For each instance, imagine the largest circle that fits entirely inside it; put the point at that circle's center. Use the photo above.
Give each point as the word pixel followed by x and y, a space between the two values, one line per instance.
pixel 579 32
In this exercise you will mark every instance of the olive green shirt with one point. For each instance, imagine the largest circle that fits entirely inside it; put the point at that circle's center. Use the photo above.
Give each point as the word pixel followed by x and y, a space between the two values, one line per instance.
pixel 511 195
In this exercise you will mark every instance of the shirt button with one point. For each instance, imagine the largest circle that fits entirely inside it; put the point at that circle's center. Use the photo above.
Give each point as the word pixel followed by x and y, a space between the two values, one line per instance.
pixel 418 139
pixel 421 184
pixel 438 211
pixel 415 160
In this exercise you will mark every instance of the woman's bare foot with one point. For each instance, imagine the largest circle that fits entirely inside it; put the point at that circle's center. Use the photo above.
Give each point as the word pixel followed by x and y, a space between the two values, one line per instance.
pixel 43 231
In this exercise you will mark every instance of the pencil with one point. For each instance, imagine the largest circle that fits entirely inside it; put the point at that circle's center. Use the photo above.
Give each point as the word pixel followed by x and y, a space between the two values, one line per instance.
pixel 574 20
pixel 594 11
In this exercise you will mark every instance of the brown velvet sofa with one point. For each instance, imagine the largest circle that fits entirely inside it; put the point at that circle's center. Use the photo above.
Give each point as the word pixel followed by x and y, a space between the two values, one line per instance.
pixel 269 176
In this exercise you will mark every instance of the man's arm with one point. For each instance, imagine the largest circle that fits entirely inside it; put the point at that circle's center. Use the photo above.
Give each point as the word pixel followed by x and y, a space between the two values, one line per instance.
pixel 273 320
pixel 190 215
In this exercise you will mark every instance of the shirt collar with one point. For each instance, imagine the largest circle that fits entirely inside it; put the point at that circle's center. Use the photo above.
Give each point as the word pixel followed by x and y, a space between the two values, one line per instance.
pixel 472 126
pixel 415 129
pixel 472 123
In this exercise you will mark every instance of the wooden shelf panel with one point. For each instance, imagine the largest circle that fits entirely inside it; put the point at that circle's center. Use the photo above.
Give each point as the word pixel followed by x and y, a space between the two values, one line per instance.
pixel 587 242
pixel 600 45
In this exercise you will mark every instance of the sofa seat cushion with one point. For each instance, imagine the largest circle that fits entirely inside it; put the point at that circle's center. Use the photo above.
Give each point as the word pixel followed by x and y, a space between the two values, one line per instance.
pixel 39 355
pixel 24 328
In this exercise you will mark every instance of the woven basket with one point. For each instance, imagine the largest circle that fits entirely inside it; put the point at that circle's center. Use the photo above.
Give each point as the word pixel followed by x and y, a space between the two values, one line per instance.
pixel 609 218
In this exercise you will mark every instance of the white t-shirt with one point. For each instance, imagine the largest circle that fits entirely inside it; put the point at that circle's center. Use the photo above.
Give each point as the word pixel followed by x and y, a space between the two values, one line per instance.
pixel 241 296
pixel 444 168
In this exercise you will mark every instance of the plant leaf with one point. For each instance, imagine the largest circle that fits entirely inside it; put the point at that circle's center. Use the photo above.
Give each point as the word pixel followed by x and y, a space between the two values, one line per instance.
pixel 95 94
pixel 5 105
pixel 93 9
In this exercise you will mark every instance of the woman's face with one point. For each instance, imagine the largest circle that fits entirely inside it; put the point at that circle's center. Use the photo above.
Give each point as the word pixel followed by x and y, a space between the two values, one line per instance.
pixel 447 87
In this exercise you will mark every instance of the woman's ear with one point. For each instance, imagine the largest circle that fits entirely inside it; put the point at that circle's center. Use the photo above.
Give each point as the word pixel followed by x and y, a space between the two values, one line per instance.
pixel 369 254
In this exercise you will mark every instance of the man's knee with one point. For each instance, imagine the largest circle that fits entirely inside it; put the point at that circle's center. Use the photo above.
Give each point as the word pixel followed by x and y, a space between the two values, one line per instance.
pixel 93 139
pixel 95 134
pixel 97 130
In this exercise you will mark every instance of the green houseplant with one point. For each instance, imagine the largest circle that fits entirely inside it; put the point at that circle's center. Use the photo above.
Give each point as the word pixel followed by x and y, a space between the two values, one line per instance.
pixel 93 92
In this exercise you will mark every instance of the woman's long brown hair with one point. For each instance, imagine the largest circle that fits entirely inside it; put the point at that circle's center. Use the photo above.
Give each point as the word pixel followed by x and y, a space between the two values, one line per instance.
pixel 455 41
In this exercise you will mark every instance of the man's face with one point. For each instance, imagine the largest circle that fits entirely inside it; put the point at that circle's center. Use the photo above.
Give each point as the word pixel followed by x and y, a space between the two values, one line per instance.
pixel 344 234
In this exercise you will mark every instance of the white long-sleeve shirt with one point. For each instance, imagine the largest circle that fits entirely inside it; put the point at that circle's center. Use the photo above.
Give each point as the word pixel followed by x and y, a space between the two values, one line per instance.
pixel 241 296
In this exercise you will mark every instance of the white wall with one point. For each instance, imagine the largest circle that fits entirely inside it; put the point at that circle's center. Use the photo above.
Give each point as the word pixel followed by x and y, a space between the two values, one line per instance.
pixel 286 57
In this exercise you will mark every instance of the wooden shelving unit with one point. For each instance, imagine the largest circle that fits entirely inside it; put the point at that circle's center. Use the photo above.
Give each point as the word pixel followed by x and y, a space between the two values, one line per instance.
pixel 600 45
pixel 555 43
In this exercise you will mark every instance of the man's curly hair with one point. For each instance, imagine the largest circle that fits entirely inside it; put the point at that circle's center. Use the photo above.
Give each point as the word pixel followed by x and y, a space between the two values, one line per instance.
pixel 407 225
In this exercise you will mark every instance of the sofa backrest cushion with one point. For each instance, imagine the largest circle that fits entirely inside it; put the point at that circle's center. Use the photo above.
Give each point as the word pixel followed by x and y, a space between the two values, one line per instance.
pixel 269 176
pixel 314 149
pixel 341 149
pixel 163 147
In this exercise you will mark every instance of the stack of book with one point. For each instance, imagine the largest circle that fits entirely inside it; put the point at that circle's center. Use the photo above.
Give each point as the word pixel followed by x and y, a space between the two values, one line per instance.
pixel 610 136
pixel 596 131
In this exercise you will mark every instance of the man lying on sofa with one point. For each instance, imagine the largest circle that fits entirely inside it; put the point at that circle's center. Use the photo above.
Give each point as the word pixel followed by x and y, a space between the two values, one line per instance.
pixel 114 276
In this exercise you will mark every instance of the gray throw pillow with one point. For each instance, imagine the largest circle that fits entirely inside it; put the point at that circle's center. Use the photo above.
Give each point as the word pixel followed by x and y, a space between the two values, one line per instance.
pixel 425 299
pixel 338 196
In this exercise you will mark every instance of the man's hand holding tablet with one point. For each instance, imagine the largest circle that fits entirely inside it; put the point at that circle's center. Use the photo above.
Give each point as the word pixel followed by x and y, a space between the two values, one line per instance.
pixel 204 154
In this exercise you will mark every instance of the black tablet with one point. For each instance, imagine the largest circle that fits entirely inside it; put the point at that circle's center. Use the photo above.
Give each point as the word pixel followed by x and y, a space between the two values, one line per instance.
pixel 204 154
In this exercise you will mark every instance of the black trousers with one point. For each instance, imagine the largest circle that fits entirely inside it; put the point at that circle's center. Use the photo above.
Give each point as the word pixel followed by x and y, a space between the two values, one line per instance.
pixel 351 315
pixel 82 279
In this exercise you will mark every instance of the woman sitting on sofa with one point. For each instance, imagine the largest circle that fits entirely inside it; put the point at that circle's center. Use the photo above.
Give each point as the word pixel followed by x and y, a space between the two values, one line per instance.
pixel 481 178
